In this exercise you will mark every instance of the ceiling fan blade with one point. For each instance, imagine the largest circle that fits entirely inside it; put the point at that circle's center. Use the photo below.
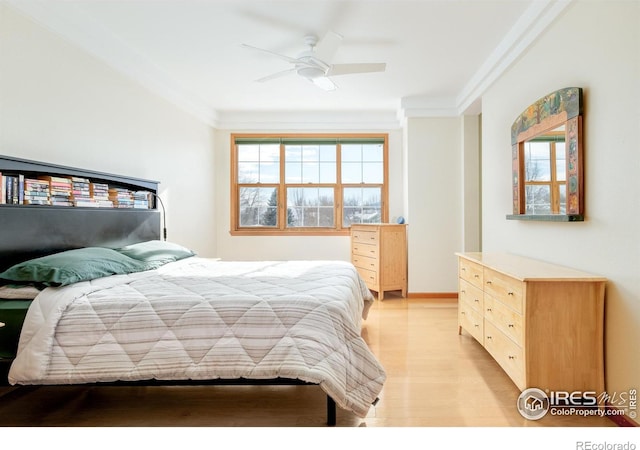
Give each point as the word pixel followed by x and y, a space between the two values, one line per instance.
pixel 276 75
pixel 278 55
pixel 328 46
pixel 346 69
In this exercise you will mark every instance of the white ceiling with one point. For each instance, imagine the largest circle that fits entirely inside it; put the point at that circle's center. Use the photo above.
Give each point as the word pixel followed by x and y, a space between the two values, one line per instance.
pixel 440 55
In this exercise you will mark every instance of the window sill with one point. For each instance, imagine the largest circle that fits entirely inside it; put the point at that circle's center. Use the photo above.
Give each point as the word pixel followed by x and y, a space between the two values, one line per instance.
pixel 345 232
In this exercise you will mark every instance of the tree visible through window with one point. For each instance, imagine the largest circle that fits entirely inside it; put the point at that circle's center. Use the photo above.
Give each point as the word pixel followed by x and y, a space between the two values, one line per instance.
pixel 313 184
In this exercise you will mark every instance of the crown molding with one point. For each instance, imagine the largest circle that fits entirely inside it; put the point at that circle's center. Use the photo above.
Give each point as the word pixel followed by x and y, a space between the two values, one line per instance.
pixel 427 106
pixel 308 120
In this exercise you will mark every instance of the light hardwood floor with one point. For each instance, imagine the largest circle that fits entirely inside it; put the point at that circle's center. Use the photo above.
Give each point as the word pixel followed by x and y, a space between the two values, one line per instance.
pixel 436 378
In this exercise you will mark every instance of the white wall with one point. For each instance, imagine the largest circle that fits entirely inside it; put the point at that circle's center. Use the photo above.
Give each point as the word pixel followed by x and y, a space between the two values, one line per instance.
pixel 60 105
pixel 434 198
pixel 596 46
pixel 471 183
pixel 291 247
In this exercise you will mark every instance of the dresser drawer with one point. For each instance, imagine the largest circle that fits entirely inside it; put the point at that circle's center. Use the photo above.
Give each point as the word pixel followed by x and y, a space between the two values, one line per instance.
pixel 505 319
pixel 365 262
pixel 365 236
pixel 504 289
pixel 471 272
pixel 361 249
pixel 370 277
pixel 506 353
pixel 471 294
pixel 471 320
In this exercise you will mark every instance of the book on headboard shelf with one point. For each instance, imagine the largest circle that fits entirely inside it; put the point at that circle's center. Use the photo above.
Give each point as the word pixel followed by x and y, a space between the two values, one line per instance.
pixel 71 191
pixel 36 184
pixel 13 188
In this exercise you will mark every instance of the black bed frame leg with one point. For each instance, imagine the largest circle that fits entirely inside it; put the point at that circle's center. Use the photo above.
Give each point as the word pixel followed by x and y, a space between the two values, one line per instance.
pixel 331 412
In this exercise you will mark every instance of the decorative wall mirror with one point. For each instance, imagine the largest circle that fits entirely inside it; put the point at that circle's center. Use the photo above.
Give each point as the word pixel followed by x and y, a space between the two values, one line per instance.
pixel 547 158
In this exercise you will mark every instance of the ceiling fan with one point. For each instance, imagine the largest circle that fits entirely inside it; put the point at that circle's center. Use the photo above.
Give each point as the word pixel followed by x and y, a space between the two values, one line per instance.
pixel 314 64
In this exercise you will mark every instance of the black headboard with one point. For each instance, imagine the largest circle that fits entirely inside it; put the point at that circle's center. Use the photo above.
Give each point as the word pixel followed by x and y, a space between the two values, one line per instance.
pixel 28 231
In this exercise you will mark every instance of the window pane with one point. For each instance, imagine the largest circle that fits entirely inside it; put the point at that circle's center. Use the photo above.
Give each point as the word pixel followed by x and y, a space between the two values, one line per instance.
pixel 258 163
pixel 258 207
pixel 248 152
pixel 561 162
pixel 293 172
pixel 310 163
pixel 361 205
pixel 328 153
pixel 248 172
pixel 328 172
pixel 351 172
pixel 372 152
pixel 362 163
pixel 310 172
pixel 269 172
pixel 537 166
pixel 538 199
pixel 310 207
pixel 373 172
pixel 293 153
pixel 351 152
pixel 563 198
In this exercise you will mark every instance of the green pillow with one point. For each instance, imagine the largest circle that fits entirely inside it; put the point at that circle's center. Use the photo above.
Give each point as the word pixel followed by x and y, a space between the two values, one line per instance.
pixel 156 252
pixel 61 269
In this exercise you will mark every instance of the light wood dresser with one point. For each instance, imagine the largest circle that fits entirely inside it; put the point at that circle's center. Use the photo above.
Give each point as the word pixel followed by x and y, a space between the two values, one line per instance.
pixel 544 324
pixel 379 252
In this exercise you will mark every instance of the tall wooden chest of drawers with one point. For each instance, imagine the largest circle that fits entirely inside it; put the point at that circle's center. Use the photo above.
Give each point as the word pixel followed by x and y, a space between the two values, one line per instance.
pixel 379 252
pixel 542 323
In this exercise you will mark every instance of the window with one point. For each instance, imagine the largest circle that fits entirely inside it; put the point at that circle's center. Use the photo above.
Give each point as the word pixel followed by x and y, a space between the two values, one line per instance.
pixel 307 184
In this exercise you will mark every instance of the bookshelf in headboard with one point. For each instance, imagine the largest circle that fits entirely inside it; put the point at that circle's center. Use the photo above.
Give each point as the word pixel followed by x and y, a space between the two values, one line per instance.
pixel 29 231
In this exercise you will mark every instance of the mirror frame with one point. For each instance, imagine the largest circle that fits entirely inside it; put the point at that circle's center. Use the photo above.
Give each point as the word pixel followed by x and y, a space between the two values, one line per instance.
pixel 562 107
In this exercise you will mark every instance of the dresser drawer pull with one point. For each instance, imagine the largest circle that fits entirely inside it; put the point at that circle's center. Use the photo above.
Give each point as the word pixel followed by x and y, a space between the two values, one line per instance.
pixel 477 326
pixel 476 300
pixel 512 357
pixel 476 276
pixel 509 293
pixel 489 310
pixel 464 269
pixel 463 291
pixel 462 313
pixel 489 282
pixel 511 325
pixel 488 337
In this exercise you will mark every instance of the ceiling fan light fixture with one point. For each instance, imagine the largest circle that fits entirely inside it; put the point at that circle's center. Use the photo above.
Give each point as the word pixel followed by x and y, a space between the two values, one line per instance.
pixel 324 83
pixel 311 72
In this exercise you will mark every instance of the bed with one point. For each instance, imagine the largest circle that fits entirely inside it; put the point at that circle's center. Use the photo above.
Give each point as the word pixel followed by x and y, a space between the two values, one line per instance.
pixel 164 315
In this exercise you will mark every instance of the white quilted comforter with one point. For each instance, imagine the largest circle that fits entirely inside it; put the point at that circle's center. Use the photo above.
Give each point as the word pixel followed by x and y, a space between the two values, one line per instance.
pixel 206 319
